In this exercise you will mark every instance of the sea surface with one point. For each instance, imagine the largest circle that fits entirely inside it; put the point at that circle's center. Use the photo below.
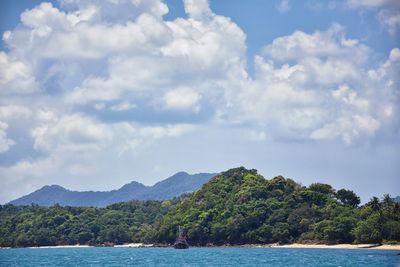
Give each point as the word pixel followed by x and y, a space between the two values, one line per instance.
pixel 197 257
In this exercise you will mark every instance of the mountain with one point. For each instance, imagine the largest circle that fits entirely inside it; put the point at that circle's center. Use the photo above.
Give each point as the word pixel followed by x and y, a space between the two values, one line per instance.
pixel 239 206
pixel 173 186
pixel 397 199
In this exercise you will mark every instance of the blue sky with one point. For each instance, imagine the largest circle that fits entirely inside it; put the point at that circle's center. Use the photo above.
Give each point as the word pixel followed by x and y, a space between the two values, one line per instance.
pixel 95 94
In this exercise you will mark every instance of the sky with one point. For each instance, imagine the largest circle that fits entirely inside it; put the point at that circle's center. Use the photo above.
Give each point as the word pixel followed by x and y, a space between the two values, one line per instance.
pixel 95 94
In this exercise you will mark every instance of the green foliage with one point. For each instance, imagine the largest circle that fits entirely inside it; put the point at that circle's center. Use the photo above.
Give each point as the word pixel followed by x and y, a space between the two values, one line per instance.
pixel 239 206
pixel 236 207
pixel 23 226
pixel 324 189
pixel 380 220
pixel 337 230
pixel 348 197
pixel 369 231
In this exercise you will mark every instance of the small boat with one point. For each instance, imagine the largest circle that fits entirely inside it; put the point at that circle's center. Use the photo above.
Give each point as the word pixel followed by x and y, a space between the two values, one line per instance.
pixel 181 242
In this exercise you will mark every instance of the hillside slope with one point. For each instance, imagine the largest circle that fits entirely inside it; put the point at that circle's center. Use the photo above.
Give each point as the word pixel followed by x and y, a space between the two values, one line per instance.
pixel 240 206
pixel 173 186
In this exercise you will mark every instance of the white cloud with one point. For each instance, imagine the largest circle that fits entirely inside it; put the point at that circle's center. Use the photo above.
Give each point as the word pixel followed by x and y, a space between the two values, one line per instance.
pixel 197 9
pixel 388 12
pixel 182 98
pixel 394 54
pixel 322 44
pixel 202 58
pixel 372 3
pixel 9 112
pixel 390 19
pixel 87 58
pixel 147 55
pixel 310 98
pixel 348 128
pixel 351 120
pixel 283 6
pixel 101 53
pixel 119 11
pixel 25 177
pixel 71 132
pixel 5 142
pixel 16 77
pixel 123 106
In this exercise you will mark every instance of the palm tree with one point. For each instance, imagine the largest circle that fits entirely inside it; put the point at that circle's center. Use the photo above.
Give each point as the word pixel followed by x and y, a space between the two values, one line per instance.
pixel 375 204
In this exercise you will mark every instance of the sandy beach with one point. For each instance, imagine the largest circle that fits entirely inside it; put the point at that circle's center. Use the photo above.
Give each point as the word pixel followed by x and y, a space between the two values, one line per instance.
pixel 341 246
pixel 296 245
pixel 65 246
pixel 130 245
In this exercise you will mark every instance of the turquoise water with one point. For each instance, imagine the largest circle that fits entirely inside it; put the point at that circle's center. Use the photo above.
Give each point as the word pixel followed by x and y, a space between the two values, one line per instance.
pixel 197 257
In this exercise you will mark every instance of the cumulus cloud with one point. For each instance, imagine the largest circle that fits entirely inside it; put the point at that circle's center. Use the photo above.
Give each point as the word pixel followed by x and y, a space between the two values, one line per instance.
pixel 197 9
pixel 71 132
pixel 9 112
pixel 5 142
pixel 182 98
pixel 139 57
pixel 97 56
pixel 16 77
pixel 162 78
pixel 388 12
pixel 322 44
pixel 323 93
pixel 118 11
pixel 352 119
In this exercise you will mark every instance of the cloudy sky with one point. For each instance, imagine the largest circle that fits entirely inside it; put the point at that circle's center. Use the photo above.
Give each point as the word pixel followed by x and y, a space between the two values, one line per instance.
pixel 95 94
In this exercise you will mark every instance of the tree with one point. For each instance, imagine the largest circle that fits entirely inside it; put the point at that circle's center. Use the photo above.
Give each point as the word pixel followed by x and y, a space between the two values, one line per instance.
pixel 238 206
pixel 348 197
pixel 325 189
pixel 280 233
pixel 375 204
pixel 369 231
pixel 337 230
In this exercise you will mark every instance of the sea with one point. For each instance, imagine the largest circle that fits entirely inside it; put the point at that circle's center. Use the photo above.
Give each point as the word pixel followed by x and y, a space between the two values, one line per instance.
pixel 109 256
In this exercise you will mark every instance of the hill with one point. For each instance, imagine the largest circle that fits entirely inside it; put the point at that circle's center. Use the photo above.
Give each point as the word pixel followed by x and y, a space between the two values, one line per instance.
pixel 236 207
pixel 173 186
pixel 240 206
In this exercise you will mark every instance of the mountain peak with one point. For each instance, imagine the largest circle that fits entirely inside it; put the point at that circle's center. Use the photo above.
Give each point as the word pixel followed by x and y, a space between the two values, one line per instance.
pixel 132 185
pixel 53 187
pixel 181 173
pixel 174 186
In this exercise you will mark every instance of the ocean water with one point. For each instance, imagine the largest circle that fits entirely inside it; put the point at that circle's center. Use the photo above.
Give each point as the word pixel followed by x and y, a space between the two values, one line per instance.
pixel 197 257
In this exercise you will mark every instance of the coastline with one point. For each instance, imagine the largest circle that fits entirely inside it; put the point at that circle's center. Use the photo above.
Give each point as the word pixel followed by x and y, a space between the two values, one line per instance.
pixel 314 246
pixel 64 246
pixel 340 246
pixel 272 246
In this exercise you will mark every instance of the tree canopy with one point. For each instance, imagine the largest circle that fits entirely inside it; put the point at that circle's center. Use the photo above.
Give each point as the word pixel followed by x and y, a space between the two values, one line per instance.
pixel 235 207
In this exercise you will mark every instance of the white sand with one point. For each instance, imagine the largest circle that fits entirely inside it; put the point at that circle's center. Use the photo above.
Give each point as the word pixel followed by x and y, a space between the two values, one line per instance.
pixel 65 246
pixel 347 246
pixel 130 245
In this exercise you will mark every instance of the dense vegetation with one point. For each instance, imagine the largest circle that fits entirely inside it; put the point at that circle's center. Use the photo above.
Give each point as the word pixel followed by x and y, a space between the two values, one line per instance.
pixel 239 206
pixel 236 207
pixel 45 226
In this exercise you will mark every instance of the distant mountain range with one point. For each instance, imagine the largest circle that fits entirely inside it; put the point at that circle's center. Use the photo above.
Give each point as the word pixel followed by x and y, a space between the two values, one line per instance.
pixel 173 186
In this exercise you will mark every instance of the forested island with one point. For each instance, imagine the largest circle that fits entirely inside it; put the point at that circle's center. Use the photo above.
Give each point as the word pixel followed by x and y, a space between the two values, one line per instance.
pixel 236 207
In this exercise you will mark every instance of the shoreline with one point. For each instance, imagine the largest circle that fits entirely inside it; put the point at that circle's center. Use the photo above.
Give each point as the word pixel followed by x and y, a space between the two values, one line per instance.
pixel 314 246
pixel 341 246
pixel 272 246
